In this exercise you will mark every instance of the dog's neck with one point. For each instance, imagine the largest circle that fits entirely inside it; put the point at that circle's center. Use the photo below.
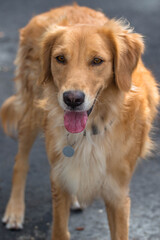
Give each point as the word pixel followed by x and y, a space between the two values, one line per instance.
pixel 68 150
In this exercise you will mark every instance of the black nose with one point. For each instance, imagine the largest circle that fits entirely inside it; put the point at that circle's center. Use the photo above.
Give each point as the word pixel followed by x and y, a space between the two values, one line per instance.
pixel 73 98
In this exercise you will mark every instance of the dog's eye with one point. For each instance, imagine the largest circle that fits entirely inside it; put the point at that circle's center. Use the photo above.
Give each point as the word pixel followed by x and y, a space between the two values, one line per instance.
pixel 61 59
pixel 97 61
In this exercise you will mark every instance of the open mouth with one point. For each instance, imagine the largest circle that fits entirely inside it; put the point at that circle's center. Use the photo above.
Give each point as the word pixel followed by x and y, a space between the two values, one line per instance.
pixel 75 122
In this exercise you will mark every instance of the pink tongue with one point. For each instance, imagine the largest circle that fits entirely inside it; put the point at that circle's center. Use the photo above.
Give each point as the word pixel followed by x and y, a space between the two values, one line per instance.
pixel 75 122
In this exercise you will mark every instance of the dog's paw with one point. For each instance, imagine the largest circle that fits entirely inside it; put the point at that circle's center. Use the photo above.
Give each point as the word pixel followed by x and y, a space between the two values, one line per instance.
pixel 75 206
pixel 14 216
pixel 60 236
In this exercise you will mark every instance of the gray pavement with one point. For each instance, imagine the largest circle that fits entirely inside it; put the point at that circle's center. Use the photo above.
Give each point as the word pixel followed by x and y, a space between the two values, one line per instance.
pixel 144 15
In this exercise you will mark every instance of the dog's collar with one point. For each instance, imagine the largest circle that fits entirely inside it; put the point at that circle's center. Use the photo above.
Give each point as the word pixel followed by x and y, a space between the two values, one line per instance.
pixel 68 151
pixel 94 130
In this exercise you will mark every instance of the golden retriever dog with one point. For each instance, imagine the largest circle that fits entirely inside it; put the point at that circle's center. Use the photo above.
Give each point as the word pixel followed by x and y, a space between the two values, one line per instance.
pixel 81 79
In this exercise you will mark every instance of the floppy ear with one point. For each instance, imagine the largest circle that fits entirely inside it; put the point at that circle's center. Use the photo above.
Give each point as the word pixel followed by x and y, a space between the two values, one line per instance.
pixel 47 45
pixel 127 48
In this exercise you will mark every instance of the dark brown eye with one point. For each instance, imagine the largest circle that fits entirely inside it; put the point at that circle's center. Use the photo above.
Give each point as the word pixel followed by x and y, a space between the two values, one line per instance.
pixel 97 61
pixel 61 59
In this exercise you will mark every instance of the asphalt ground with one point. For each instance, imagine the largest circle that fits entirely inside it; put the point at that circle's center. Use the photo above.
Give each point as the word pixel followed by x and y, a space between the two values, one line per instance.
pixel 144 16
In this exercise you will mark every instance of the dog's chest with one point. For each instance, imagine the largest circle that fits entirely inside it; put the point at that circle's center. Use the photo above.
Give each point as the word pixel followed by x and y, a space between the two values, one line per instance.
pixel 83 174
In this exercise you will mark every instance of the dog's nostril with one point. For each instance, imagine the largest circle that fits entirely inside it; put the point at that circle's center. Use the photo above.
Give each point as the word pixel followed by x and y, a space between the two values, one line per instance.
pixel 73 98
pixel 78 100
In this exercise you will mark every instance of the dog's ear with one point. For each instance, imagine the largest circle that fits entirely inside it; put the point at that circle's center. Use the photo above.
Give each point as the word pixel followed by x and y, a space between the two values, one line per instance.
pixel 127 48
pixel 47 44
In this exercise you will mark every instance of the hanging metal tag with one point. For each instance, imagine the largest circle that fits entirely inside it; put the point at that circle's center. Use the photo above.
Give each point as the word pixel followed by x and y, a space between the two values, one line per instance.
pixel 68 151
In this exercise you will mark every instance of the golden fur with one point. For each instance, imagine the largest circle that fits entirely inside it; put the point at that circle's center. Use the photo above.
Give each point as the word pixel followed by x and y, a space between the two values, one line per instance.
pixel 103 164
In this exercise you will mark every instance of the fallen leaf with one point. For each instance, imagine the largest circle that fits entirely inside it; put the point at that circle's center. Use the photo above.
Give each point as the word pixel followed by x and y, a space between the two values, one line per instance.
pixel 79 228
pixel 1 34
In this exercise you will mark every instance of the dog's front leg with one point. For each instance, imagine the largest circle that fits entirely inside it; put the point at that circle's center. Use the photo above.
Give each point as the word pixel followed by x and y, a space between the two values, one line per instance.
pixel 14 214
pixel 118 218
pixel 61 201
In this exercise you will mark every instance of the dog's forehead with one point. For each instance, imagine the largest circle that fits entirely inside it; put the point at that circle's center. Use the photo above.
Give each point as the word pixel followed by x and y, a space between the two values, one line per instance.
pixel 83 35
pixel 83 32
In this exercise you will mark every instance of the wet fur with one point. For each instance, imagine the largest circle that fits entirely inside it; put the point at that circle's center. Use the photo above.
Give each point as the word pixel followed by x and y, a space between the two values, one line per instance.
pixel 123 113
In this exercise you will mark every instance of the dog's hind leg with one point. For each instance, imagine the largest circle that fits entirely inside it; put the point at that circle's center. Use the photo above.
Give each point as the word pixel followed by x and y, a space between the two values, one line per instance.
pixel 75 206
pixel 14 214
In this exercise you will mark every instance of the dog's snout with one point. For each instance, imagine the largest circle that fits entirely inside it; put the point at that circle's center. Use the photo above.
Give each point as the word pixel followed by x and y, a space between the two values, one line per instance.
pixel 73 98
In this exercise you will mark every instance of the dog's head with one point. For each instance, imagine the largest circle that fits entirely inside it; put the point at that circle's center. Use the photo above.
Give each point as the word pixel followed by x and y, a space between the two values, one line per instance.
pixel 83 60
